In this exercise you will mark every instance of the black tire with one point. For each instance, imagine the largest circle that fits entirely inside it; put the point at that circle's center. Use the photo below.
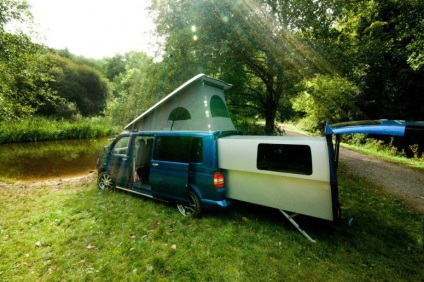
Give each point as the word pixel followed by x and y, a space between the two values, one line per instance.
pixel 193 209
pixel 104 182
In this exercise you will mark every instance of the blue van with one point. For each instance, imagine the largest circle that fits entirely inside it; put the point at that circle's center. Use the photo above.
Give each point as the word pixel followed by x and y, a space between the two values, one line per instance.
pixel 180 167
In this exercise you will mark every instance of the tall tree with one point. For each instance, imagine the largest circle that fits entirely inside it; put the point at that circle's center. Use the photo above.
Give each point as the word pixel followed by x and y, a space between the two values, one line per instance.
pixel 135 81
pixel 78 84
pixel 262 41
pixel 386 44
pixel 24 82
pixel 13 10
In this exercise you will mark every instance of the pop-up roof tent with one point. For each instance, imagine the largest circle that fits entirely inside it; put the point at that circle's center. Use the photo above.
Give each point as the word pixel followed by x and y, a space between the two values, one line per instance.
pixel 198 105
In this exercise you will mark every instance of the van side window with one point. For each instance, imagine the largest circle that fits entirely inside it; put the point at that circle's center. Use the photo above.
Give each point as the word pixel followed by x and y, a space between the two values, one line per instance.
pixel 285 158
pixel 182 149
pixel 121 147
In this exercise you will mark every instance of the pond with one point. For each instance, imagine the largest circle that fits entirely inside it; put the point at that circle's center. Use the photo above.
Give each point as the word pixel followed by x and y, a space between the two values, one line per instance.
pixel 45 160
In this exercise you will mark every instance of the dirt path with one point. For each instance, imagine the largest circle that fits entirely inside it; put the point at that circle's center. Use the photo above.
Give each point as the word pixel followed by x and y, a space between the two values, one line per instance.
pixel 404 182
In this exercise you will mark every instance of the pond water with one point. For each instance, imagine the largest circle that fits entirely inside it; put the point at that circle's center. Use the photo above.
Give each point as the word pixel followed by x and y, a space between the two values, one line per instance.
pixel 45 160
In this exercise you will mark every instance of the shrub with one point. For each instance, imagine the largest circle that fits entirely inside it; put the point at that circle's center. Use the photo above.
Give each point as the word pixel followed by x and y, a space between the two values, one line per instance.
pixel 44 129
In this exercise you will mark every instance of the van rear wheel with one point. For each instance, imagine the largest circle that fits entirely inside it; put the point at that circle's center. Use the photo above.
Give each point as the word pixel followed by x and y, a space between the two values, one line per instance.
pixel 104 182
pixel 193 208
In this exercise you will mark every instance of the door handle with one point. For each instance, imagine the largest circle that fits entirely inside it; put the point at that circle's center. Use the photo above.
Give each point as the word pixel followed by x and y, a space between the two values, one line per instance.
pixel 155 164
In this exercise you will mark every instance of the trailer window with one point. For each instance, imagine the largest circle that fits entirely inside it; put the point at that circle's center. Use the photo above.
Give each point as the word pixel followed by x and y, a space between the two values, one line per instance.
pixel 285 158
pixel 182 149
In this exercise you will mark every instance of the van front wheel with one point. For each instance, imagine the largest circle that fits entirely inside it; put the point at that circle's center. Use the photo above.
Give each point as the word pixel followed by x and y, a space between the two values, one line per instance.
pixel 104 182
pixel 193 208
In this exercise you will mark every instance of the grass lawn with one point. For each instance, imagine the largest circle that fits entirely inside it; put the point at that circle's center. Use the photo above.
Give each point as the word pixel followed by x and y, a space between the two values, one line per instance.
pixel 76 232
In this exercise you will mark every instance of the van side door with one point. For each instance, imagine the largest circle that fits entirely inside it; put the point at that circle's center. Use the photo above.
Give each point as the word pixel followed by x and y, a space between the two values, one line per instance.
pixel 169 168
pixel 119 161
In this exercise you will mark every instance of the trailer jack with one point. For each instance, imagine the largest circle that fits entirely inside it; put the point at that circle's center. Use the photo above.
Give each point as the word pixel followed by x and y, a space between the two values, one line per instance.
pixel 290 218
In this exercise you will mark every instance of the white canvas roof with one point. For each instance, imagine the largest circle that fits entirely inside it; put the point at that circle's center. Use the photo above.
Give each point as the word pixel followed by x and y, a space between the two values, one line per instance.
pixel 198 104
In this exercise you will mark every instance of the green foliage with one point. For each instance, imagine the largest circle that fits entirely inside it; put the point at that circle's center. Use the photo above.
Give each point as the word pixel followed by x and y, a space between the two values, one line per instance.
pixel 334 59
pixel 135 86
pixel 97 64
pixel 74 232
pixel 115 66
pixel 35 83
pixel 255 127
pixel 79 84
pixel 24 83
pixel 44 129
pixel 255 41
pixel 327 99
pixel 379 145
pixel 11 10
pixel 384 41
pixel 24 78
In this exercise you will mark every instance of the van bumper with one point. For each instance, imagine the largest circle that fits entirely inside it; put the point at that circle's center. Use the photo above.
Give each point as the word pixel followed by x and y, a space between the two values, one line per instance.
pixel 216 205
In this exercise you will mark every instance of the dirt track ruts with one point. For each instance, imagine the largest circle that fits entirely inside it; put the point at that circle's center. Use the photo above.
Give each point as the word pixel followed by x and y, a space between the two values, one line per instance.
pixel 399 180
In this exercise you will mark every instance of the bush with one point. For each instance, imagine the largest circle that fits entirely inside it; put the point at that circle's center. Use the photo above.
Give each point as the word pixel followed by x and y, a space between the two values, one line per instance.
pixel 44 129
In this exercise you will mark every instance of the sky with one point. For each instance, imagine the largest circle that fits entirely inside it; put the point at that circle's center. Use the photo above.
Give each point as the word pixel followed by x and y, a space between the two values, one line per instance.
pixel 93 28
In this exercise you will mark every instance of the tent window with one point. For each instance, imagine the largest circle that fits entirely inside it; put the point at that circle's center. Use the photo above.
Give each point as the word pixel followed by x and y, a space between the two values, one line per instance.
pixel 179 113
pixel 218 108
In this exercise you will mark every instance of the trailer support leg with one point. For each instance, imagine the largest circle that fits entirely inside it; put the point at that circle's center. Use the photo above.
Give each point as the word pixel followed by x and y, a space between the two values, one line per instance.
pixel 290 218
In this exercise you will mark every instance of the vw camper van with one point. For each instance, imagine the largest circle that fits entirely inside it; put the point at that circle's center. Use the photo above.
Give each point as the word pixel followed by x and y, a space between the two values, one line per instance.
pixel 186 150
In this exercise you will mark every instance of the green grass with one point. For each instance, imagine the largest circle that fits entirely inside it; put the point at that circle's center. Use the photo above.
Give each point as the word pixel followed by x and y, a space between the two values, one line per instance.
pixel 74 232
pixel 43 129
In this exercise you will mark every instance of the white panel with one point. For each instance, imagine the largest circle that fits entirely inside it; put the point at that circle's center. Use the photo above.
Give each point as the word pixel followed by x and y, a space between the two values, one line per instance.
pixel 304 194
pixel 308 197
pixel 240 153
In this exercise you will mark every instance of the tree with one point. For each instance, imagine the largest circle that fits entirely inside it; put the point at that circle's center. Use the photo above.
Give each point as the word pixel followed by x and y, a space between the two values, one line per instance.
pixel 385 43
pixel 115 66
pixel 265 42
pixel 11 10
pixel 24 82
pixel 79 84
pixel 135 80
pixel 326 99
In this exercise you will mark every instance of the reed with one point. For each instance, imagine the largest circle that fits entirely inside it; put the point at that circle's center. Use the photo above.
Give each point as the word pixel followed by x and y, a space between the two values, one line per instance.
pixel 44 129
